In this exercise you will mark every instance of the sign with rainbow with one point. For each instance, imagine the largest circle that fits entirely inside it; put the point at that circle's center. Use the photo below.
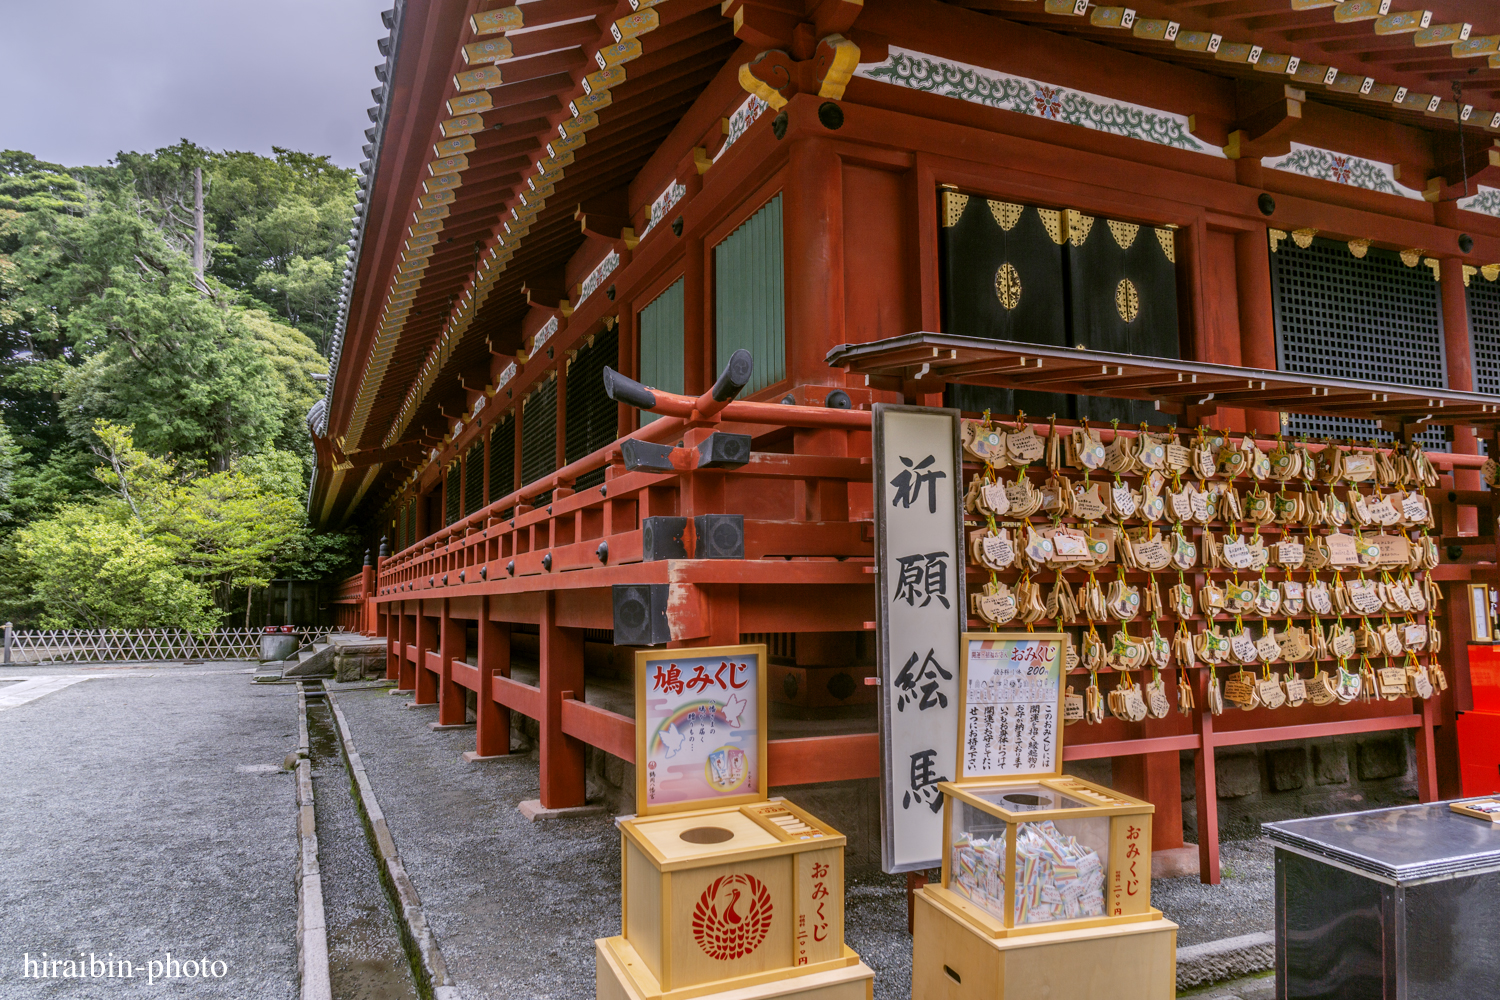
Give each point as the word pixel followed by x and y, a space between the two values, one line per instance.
pixel 700 725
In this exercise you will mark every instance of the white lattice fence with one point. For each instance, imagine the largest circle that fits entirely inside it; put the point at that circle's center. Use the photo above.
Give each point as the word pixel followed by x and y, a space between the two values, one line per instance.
pixel 112 645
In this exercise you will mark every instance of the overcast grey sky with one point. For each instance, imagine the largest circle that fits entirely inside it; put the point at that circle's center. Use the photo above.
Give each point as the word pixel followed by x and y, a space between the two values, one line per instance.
pixel 83 79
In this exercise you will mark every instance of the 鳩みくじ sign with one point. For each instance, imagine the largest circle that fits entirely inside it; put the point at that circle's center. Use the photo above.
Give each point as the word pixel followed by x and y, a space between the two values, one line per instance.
pixel 700 727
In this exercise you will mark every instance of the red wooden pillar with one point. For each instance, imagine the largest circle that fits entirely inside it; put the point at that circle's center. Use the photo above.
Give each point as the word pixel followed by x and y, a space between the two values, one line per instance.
pixel 1206 787
pixel 395 647
pixel 492 719
pixel 1458 352
pixel 562 766
pixel 1157 778
pixel 452 640
pixel 425 690
pixel 410 651
pixel 813 250
pixel 1252 271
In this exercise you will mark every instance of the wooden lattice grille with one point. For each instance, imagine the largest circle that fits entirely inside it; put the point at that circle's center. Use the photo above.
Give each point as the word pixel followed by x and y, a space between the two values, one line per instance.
pixel 474 478
pixel 451 498
pixel 749 309
pixel 503 457
pixel 661 325
pixel 1372 318
pixel 539 435
pixel 592 417
pixel 126 645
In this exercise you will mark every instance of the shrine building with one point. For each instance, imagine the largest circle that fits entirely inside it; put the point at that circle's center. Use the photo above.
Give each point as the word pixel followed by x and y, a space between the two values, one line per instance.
pixel 1267 217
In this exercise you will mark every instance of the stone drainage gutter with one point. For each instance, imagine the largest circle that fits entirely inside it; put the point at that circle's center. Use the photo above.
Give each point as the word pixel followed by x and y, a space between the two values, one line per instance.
pixel 433 979
pixel 312 930
pixel 1228 958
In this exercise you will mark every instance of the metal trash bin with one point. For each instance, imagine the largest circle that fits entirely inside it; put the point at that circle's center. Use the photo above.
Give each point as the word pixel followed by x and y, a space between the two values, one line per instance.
pixel 278 642
pixel 1386 904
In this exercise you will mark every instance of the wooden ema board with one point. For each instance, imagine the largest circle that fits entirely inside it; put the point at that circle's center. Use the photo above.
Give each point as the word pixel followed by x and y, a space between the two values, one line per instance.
pixel 1127 865
pixel 953 961
pixel 728 898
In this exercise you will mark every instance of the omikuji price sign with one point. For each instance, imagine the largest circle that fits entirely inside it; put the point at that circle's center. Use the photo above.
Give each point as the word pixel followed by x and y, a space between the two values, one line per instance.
pixel 700 727
pixel 1012 705
pixel 920 614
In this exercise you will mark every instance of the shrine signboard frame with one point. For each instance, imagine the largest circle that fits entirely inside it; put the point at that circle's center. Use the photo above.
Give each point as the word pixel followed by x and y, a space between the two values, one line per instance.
pixel 920 562
pixel 1033 674
pixel 675 714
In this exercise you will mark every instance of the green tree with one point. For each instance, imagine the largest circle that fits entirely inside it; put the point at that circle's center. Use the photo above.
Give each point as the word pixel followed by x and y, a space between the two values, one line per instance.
pixel 90 567
pixel 28 184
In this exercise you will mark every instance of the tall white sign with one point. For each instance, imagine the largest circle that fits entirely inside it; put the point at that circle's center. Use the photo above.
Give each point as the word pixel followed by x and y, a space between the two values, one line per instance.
pixel 921 616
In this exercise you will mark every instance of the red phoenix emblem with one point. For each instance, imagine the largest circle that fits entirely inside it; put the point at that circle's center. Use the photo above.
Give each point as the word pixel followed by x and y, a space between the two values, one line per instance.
pixel 732 917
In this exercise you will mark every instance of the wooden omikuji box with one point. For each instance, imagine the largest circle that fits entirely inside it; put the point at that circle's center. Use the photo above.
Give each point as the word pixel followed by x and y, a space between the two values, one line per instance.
pixel 730 898
pixel 1046 886
pixel 1031 855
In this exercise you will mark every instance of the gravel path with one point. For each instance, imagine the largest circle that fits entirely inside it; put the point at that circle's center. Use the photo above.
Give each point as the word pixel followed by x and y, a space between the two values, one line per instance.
pixel 515 905
pixel 145 812
pixel 1242 902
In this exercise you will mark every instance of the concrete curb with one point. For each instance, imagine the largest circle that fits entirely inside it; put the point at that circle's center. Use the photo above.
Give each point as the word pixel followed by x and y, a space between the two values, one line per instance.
pixel 416 935
pixel 312 929
pixel 1228 958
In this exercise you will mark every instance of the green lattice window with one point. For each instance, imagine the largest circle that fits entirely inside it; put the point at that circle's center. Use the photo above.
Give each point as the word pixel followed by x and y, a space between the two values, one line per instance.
pixel 451 498
pixel 749 309
pixel 661 342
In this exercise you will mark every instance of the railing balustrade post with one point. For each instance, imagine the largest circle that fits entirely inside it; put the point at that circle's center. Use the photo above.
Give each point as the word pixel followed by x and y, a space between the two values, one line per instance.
pixel 9 629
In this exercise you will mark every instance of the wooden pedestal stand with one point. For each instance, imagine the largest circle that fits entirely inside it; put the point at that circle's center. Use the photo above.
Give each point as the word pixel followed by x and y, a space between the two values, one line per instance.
pixel 953 960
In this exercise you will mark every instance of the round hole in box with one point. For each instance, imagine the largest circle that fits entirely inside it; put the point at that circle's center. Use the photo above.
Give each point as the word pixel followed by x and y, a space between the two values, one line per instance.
pixel 707 835
pixel 1023 799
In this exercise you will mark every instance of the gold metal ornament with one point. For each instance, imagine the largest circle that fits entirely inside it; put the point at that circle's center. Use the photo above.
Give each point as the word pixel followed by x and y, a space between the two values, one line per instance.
pixel 1168 242
pixel 1052 219
pixel 1006 214
pixel 1411 258
pixel 953 207
pixel 1079 226
pixel 1303 237
pixel 1124 232
pixel 1127 300
pixel 1276 236
pixel 1359 248
pixel 1008 286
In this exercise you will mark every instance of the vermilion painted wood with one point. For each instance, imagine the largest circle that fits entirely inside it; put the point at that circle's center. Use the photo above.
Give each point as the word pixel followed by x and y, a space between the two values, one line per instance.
pixel 609 731
pixel 1205 780
pixel 453 637
pixel 562 757
pixel 429 663
pixel 822 758
pixel 1157 778
pixel 522 698
pixel 492 719
pixel 407 681
pixel 466 676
